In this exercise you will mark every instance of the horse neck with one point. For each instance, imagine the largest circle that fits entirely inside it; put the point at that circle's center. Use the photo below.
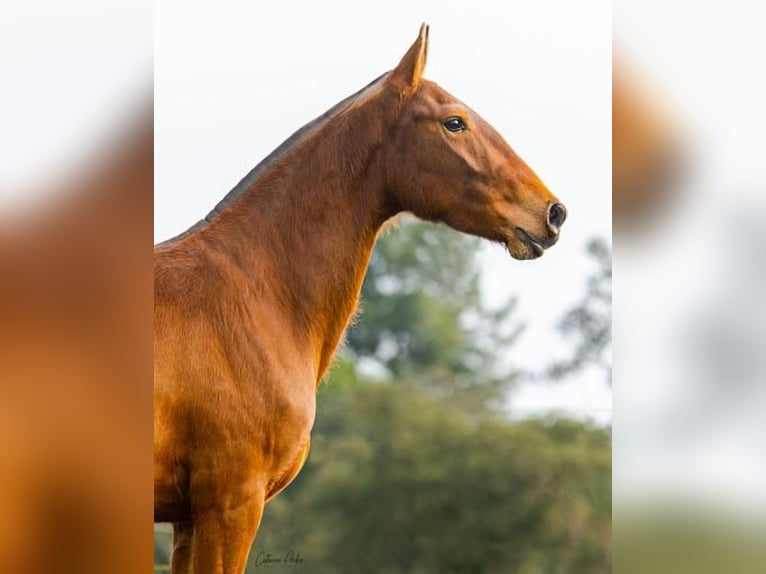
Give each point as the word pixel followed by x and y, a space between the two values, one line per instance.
pixel 305 230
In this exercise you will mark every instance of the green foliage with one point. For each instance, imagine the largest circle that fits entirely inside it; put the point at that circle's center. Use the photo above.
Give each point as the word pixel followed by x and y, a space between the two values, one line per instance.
pixel 424 321
pixel 402 482
pixel 163 537
pixel 589 323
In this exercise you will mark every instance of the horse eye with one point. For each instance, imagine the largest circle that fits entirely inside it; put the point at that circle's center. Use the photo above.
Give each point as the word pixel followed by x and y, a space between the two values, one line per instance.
pixel 455 124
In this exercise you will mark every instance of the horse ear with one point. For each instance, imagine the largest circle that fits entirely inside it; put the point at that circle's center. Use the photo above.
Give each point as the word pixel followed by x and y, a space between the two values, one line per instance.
pixel 406 76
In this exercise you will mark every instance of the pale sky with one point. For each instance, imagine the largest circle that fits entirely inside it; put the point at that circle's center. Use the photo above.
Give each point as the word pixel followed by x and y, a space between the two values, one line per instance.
pixel 234 79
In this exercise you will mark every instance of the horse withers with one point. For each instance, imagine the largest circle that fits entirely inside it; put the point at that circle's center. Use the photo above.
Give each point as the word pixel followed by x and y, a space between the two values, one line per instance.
pixel 251 303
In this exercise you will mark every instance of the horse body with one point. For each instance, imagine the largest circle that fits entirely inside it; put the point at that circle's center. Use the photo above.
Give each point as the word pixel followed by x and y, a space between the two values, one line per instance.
pixel 251 304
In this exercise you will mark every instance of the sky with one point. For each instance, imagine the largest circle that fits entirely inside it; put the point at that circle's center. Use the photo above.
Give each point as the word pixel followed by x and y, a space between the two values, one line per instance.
pixel 234 79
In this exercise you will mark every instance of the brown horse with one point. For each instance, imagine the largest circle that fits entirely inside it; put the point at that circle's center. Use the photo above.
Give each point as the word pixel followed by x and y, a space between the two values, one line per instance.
pixel 251 303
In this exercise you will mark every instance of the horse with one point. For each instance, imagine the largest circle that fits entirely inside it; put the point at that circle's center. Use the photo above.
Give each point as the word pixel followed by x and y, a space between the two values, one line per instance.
pixel 252 301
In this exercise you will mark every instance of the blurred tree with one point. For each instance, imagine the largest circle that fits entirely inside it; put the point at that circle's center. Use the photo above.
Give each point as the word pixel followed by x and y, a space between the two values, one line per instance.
pixel 424 322
pixel 402 482
pixel 163 538
pixel 589 323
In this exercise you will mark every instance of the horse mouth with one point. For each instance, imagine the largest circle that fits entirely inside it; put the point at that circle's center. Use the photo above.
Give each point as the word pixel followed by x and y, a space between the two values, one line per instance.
pixel 535 248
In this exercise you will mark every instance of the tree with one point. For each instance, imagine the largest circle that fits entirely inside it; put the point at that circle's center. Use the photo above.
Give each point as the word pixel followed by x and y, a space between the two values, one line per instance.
pixel 403 482
pixel 423 319
pixel 589 323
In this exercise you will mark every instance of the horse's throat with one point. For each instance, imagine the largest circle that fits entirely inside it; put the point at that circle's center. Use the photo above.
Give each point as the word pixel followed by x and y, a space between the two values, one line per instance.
pixel 339 308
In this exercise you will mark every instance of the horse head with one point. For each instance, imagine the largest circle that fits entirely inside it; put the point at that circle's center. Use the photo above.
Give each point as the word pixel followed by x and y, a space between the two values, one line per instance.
pixel 445 163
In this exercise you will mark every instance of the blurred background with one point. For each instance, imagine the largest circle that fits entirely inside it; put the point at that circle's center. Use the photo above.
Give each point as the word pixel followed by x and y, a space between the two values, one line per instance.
pixel 466 425
pixel 76 186
pixel 689 197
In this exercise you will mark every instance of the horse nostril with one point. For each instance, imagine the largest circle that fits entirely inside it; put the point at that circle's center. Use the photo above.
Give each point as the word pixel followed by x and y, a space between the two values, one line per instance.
pixel 557 214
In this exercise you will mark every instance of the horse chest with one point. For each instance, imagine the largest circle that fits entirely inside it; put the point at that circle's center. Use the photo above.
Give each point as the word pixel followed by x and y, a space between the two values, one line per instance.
pixel 284 422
